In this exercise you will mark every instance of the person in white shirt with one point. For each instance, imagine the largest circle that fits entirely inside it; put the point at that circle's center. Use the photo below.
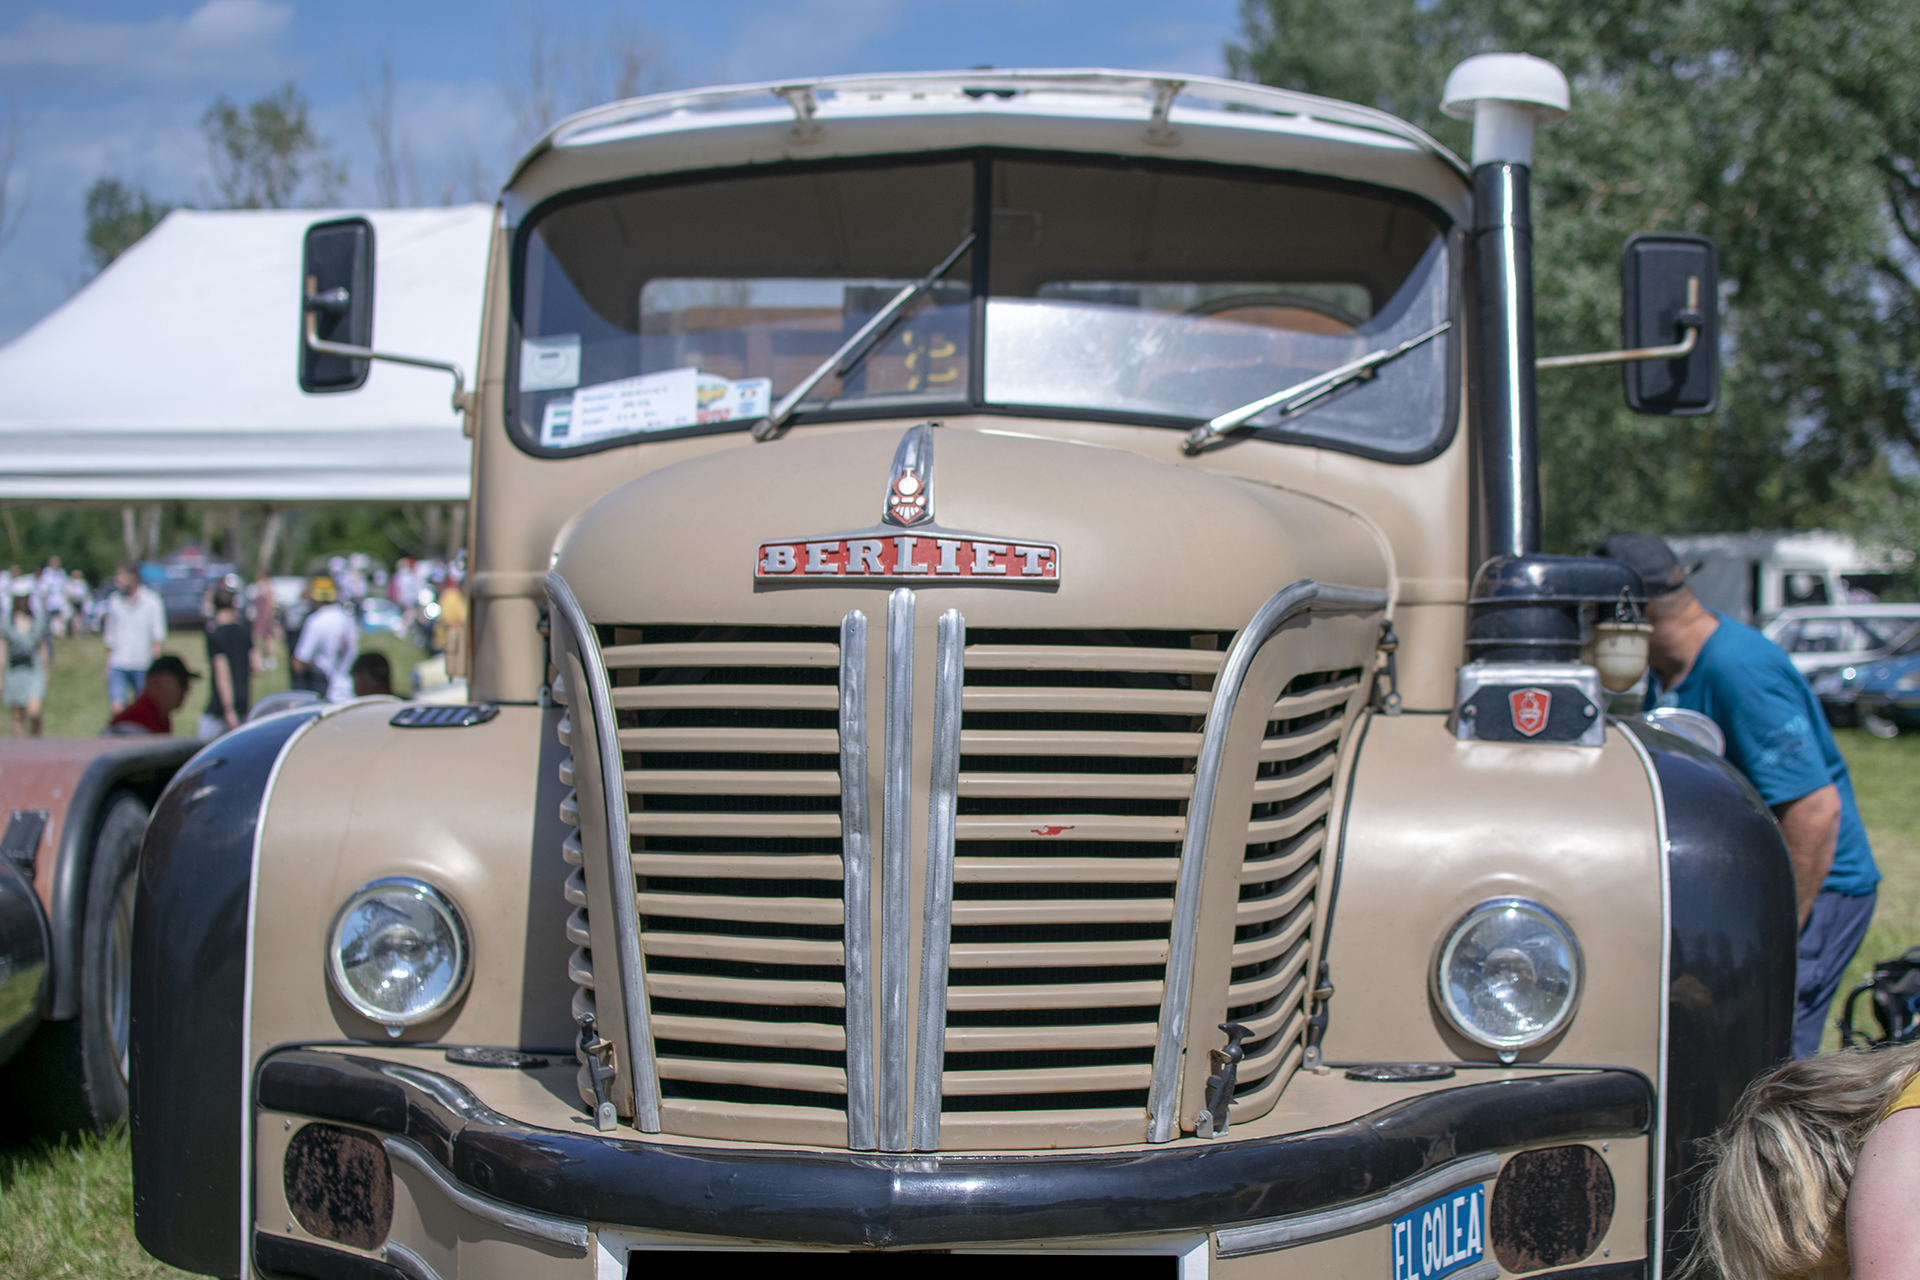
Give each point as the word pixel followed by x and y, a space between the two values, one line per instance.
pixel 328 642
pixel 52 593
pixel 135 629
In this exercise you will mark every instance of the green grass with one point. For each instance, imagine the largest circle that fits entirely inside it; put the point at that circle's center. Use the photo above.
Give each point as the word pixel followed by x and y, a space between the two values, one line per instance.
pixel 68 1211
pixel 76 705
pixel 1884 777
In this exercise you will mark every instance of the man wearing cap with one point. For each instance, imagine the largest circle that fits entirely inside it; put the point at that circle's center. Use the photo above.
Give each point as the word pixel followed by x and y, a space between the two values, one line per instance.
pixel 152 711
pixel 328 643
pixel 1778 737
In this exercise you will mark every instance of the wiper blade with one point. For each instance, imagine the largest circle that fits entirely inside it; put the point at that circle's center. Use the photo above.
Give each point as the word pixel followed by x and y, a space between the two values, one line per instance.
pixel 855 349
pixel 1302 394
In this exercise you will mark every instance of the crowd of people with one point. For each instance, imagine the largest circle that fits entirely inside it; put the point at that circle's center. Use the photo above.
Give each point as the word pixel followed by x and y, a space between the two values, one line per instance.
pixel 247 627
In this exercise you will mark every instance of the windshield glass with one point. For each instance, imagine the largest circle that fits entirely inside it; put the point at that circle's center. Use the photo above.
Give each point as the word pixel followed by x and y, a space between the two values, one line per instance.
pixel 1132 292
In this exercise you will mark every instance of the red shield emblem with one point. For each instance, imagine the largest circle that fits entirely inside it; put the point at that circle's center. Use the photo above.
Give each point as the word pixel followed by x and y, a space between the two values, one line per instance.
pixel 907 499
pixel 1529 708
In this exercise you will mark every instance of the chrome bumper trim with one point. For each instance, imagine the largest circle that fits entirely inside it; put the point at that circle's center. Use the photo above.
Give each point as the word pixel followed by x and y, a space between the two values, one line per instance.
pixel 1305 1228
pixel 568 1235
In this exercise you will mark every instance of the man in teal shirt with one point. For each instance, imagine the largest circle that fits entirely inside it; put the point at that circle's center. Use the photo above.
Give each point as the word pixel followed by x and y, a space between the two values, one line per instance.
pixel 1778 737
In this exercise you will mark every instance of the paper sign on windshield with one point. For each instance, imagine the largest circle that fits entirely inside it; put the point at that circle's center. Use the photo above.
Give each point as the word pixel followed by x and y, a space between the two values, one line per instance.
pixel 653 402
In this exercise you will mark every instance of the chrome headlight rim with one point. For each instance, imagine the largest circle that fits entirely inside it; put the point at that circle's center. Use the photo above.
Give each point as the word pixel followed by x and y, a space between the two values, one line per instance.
pixel 1507 1047
pixel 441 903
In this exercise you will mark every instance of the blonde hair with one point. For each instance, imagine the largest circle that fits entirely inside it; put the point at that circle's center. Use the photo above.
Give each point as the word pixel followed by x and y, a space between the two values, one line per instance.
pixel 1774 1204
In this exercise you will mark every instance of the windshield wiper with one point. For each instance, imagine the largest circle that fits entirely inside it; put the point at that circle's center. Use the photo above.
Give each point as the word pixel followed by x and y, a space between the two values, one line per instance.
pixel 1302 394
pixel 855 349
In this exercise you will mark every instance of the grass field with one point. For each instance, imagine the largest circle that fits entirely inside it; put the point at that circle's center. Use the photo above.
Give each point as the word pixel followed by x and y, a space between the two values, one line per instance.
pixel 68 1211
pixel 76 704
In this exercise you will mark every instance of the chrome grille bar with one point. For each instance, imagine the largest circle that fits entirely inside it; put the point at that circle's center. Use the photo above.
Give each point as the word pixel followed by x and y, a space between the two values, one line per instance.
pixel 1163 1100
pixel 856 856
pixel 943 787
pixel 896 834
pixel 626 908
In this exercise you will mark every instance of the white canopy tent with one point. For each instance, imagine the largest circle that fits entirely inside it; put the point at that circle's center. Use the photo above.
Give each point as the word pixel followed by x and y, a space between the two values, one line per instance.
pixel 172 375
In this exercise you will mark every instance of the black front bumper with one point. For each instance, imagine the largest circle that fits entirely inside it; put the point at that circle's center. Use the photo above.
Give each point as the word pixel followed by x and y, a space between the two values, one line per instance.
pixel 891 1201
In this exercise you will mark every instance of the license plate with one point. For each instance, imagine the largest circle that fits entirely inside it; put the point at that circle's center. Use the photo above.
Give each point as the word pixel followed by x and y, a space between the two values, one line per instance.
pixel 1441 1236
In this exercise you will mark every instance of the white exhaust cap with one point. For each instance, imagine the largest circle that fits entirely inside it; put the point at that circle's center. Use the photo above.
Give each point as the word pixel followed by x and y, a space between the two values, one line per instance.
pixel 1505 95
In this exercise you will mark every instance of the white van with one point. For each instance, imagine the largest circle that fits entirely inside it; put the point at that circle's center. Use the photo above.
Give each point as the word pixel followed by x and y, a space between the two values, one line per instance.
pixel 1753 576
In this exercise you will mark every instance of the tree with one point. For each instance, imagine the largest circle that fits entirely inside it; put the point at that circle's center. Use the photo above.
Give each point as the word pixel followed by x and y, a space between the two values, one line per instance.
pixel 1789 130
pixel 267 156
pixel 118 215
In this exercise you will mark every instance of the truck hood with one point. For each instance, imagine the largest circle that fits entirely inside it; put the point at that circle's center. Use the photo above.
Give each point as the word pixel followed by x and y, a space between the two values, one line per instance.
pixel 1142 543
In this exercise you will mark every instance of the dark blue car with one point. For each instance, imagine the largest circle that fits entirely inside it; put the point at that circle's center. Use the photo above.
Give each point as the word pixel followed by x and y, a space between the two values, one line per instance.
pixel 1882 697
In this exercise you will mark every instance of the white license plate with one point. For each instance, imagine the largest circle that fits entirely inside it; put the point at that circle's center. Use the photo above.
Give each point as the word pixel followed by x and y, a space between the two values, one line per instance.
pixel 1441 1236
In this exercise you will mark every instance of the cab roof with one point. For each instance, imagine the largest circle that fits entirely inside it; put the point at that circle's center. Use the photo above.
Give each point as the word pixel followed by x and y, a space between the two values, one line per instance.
pixel 1147 114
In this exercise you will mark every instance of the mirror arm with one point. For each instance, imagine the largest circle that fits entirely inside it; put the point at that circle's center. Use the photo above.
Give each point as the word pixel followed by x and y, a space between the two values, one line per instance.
pixel 1691 319
pixel 1672 352
pixel 461 400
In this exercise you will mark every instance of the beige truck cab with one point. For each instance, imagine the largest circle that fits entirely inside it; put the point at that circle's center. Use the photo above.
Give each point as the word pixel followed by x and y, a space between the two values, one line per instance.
pixel 1018 719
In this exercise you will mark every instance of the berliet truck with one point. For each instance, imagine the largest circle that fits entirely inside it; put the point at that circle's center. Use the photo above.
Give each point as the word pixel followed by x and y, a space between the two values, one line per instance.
pixel 1018 719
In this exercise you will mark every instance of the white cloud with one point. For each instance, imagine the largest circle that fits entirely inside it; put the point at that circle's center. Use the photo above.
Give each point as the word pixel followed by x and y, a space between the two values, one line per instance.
pixel 210 42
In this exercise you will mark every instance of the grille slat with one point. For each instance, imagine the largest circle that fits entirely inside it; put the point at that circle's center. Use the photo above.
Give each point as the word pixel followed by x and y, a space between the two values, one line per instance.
pixel 819 826
pixel 714 946
pixel 799 742
pixel 1280 878
pixel 760 697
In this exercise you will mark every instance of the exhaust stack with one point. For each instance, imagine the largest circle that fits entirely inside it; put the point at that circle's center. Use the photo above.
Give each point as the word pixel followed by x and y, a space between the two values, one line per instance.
pixel 1506 95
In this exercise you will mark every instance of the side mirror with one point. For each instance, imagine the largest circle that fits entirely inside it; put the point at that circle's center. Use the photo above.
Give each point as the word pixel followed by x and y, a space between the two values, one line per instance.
pixel 1670 284
pixel 336 303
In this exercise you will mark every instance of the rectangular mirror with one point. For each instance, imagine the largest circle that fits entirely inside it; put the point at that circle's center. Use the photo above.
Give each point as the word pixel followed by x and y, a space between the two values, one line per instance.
pixel 336 300
pixel 1670 283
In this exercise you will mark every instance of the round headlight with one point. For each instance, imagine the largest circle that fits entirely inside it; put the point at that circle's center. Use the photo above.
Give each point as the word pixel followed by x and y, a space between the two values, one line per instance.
pixel 398 952
pixel 1508 975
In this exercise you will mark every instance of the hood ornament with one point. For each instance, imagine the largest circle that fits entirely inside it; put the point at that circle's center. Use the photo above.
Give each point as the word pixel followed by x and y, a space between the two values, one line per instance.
pixel 910 492
pixel 884 554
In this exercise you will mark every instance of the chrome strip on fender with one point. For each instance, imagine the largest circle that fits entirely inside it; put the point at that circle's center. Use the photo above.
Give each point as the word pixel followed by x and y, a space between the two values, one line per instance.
pixel 407 1262
pixel 943 786
pixel 1282 1233
pixel 535 1226
pixel 1164 1100
pixel 856 859
pixel 626 907
pixel 896 834
pixel 1656 1261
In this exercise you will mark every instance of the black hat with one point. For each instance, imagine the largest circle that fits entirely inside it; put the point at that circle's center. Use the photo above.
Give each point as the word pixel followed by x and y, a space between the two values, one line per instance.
pixel 168 665
pixel 1648 556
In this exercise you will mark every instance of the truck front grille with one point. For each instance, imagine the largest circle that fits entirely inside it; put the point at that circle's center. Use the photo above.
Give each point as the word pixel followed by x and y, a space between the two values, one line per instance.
pixel 1076 756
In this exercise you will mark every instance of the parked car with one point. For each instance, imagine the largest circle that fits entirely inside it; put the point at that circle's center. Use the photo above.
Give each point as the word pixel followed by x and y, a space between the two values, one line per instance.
pixel 380 614
pixel 1882 697
pixel 1826 637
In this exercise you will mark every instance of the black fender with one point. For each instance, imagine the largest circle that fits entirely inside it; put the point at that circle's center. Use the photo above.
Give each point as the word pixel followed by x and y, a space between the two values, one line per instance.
pixel 24 946
pixel 144 767
pixel 189 984
pixel 1732 956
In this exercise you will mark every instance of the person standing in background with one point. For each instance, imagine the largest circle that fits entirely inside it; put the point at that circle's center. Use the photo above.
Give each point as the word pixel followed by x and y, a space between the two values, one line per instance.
pixel 1777 736
pixel 52 594
pixel 230 665
pixel 24 688
pixel 328 644
pixel 135 629
pixel 265 617
pixel 78 598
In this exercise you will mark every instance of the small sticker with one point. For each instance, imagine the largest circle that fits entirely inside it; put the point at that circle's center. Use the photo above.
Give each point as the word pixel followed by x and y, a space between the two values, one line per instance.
pixel 550 364
pixel 1529 708
pixel 556 424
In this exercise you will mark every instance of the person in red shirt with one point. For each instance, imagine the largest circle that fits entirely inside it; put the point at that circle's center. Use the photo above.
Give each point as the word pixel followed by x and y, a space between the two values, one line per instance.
pixel 152 711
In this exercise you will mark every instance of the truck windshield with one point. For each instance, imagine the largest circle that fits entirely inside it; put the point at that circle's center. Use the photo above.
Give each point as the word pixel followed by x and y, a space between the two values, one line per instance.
pixel 1127 292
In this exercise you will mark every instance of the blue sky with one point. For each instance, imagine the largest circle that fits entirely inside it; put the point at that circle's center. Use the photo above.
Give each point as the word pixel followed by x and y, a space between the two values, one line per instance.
pixel 96 87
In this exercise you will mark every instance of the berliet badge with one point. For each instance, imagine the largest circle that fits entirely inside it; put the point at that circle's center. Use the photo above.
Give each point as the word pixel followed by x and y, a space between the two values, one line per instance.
pixel 884 553
pixel 1529 708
